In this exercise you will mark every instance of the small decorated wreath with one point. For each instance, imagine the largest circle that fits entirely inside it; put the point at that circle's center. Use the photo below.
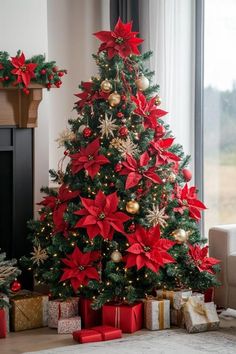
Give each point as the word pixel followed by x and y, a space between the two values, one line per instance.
pixel 20 72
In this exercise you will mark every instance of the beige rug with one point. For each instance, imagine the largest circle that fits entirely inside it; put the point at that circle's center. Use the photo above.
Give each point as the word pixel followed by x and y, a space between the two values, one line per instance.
pixel 173 341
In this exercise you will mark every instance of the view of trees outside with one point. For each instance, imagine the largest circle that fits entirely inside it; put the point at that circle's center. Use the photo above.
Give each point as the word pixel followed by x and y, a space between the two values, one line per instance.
pixel 220 113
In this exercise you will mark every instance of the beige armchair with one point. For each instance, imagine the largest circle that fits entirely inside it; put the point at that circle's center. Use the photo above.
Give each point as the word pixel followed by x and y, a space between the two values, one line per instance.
pixel 222 245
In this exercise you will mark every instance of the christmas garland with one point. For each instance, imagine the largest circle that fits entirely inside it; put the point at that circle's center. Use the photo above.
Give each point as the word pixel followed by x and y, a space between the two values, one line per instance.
pixel 20 72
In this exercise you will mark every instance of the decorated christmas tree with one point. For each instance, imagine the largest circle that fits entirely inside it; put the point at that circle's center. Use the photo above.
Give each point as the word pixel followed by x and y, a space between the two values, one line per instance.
pixel 125 219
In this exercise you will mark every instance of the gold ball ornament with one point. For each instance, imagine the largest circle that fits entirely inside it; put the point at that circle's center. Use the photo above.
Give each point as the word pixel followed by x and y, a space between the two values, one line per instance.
pixel 158 101
pixel 132 207
pixel 116 256
pixel 142 83
pixel 172 177
pixel 180 235
pixel 106 86
pixel 114 99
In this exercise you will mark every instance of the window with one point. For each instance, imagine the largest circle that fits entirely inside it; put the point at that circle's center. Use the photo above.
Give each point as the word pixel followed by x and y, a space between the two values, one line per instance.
pixel 220 112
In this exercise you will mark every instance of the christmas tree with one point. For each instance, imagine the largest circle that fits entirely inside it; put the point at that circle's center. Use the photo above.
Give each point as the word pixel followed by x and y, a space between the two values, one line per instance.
pixel 125 220
pixel 8 273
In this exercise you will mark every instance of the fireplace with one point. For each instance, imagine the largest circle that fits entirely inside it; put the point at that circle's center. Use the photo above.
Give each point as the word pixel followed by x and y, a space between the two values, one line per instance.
pixel 18 117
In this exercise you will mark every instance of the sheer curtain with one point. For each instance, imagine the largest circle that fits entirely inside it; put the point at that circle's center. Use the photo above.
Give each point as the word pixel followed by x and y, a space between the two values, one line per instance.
pixel 168 27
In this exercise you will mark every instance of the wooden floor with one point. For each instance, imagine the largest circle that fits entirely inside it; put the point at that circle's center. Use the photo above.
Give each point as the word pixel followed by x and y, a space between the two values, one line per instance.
pixel 33 340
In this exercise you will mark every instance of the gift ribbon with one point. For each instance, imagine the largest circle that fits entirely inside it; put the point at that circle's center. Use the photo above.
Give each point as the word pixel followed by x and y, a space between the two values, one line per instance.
pixel 161 305
pixel 117 317
pixel 169 295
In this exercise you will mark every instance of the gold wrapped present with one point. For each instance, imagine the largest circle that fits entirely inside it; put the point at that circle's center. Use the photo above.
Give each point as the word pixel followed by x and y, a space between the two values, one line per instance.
pixel 156 314
pixel 177 297
pixel 28 311
pixel 177 317
pixel 200 316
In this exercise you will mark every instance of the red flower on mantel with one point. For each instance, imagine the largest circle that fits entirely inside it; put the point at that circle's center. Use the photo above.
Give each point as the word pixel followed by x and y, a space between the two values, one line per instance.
pixel 163 156
pixel 136 170
pixel 187 199
pixel 24 72
pixel 148 249
pixel 100 216
pixel 120 42
pixel 89 159
pixel 80 268
pixel 200 259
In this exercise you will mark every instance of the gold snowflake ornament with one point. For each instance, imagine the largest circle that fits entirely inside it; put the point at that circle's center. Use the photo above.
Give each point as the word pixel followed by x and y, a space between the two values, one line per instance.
pixel 156 216
pixel 39 255
pixel 125 146
pixel 65 135
pixel 107 126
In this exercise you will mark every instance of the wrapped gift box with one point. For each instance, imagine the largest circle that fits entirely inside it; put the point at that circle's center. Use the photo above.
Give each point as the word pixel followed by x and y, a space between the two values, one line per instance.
pixel 3 324
pixel 58 309
pixel 97 334
pixel 177 297
pixel 156 314
pixel 199 295
pixel 200 316
pixel 69 325
pixel 28 311
pixel 129 318
pixel 177 317
pixel 209 295
pixel 89 317
pixel 6 309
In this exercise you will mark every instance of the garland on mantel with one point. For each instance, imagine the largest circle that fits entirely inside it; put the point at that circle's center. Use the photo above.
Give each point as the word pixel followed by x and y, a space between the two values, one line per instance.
pixel 19 71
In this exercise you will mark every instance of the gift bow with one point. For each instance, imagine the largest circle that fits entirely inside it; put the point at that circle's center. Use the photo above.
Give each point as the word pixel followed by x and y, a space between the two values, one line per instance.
pixel 198 307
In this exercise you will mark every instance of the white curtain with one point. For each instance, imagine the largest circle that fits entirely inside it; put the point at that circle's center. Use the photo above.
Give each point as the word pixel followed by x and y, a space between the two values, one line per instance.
pixel 168 27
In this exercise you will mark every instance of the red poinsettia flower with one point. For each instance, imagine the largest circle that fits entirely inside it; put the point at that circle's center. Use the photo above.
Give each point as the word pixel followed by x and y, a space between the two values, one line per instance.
pixel 88 95
pixel 24 72
pixel 160 148
pixel 58 205
pixel 79 268
pixel 120 42
pixel 136 170
pixel 89 159
pixel 200 259
pixel 100 216
pixel 148 110
pixel 187 199
pixel 148 249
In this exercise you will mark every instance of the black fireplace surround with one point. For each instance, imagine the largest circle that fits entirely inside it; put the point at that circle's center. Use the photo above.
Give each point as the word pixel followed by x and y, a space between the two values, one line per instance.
pixel 16 189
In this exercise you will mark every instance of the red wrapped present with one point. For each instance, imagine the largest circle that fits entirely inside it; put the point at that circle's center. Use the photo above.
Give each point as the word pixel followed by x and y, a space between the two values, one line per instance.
pixel 108 332
pixel 61 309
pixel 129 318
pixel 209 295
pixel 3 324
pixel 89 317
pixel 87 336
pixel 97 334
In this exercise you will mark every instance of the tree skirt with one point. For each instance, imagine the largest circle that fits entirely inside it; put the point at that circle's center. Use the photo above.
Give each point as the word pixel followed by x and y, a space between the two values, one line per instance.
pixel 174 341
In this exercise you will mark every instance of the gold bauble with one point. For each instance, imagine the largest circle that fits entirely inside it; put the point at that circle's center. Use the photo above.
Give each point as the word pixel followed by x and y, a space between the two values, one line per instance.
pixel 114 99
pixel 158 101
pixel 172 177
pixel 142 83
pixel 180 235
pixel 106 86
pixel 116 256
pixel 132 207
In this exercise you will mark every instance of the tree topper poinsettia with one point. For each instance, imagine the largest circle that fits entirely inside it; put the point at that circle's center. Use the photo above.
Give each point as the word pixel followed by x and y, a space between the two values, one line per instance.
pixel 120 42
pixel 147 109
pixel 89 159
pixel 136 170
pixel 79 268
pixel 200 259
pixel 148 249
pixel 24 72
pixel 187 199
pixel 100 216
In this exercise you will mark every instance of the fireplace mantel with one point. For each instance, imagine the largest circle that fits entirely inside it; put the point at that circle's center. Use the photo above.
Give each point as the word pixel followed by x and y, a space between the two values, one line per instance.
pixel 18 109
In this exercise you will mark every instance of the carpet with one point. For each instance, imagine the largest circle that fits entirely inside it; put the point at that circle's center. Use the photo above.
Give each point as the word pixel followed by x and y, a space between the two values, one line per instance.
pixel 173 341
